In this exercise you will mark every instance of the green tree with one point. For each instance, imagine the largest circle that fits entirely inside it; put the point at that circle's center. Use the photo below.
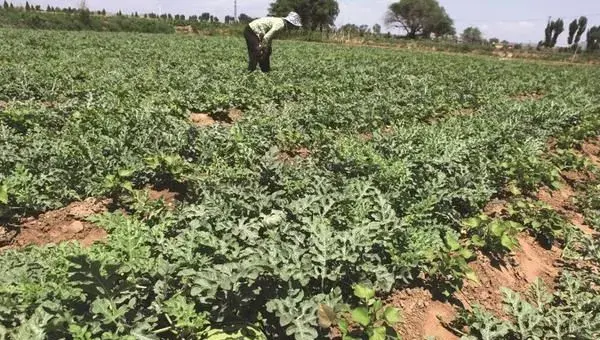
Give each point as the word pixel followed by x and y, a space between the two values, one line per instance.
pixel 243 18
pixel 350 29
pixel 27 7
pixel 363 29
pixel 420 17
pixel 5 4
pixel 547 34
pixel 377 29
pixel 593 38
pixel 441 24
pixel 472 35
pixel 315 14
pixel 84 14
pixel 582 26
pixel 559 27
pixel 494 41
pixel 552 31
pixel 572 30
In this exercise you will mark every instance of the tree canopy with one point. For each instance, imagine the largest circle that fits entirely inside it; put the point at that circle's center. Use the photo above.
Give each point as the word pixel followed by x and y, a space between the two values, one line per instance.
pixel 244 18
pixel 377 29
pixel 576 30
pixel 472 35
pixel 420 17
pixel 315 14
pixel 593 38
pixel 551 33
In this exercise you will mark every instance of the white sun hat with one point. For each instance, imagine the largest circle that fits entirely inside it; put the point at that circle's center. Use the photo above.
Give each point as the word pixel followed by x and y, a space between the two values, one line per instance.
pixel 294 19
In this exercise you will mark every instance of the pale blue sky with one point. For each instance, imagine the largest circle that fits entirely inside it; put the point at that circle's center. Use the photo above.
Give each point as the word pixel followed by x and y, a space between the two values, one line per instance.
pixel 513 20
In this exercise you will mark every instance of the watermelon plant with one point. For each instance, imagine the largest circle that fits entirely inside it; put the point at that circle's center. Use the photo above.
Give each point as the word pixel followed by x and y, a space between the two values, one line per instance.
pixel 354 168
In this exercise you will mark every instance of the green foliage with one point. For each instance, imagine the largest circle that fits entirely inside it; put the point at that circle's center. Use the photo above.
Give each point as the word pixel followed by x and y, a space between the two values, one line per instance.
pixel 526 172
pixel 472 35
pixel 420 17
pixel 447 268
pixel 82 19
pixel 370 320
pixel 593 38
pixel 119 184
pixel 588 201
pixel 495 235
pixel 567 159
pixel 265 233
pixel 553 30
pixel 3 194
pixel 576 30
pixel 570 313
pixel 315 14
pixel 538 218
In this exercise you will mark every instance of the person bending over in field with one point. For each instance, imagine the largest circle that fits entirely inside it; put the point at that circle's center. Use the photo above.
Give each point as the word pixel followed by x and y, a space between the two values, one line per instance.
pixel 259 35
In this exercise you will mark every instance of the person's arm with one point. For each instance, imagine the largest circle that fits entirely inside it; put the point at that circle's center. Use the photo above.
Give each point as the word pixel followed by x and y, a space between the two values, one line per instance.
pixel 278 25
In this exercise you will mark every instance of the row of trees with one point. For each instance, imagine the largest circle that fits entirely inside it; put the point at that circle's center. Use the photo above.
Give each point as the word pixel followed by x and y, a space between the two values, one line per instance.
pixel 315 14
pixel 425 19
pixel 76 19
pixel 577 28
pixel 178 18
pixel 417 18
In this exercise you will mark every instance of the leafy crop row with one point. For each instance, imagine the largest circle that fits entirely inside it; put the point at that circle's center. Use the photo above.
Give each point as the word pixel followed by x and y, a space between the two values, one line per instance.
pixel 258 243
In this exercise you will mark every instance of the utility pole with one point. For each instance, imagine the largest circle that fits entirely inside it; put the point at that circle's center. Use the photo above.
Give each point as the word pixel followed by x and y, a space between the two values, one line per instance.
pixel 234 10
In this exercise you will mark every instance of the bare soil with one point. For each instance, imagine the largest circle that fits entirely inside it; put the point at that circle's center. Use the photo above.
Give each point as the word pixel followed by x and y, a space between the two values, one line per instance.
pixel 208 119
pixel 167 195
pixel 288 157
pixel 576 177
pixel 184 29
pixel 422 311
pixel 591 150
pixel 463 112
pixel 419 314
pixel 517 271
pixel 368 136
pixel 561 201
pixel 495 207
pixel 365 137
pixel 235 115
pixel 62 225
pixel 528 96
pixel 202 119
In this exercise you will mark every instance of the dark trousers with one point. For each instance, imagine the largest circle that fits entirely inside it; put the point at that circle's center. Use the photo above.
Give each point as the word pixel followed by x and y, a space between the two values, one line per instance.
pixel 255 55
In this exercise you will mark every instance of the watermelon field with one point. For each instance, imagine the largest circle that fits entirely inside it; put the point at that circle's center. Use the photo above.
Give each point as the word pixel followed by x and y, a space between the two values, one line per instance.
pixel 152 188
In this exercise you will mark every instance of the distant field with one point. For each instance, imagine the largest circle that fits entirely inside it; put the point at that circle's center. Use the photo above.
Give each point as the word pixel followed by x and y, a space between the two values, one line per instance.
pixel 228 201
